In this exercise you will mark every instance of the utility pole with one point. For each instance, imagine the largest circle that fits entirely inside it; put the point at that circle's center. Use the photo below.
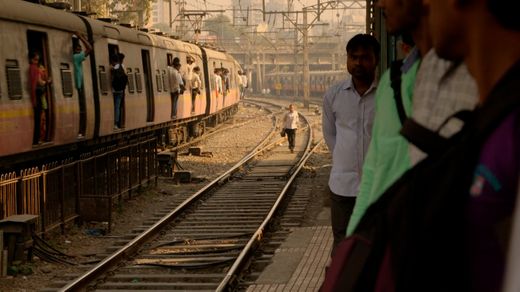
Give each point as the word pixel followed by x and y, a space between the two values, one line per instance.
pixel 305 60
pixel 170 15
pixel 296 75
pixel 76 5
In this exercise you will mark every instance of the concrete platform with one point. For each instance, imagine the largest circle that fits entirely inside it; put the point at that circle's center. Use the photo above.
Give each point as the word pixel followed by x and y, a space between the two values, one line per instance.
pixel 299 264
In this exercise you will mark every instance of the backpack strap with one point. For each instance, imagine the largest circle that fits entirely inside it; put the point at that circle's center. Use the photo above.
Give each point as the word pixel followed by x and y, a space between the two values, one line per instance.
pixel 428 140
pixel 395 81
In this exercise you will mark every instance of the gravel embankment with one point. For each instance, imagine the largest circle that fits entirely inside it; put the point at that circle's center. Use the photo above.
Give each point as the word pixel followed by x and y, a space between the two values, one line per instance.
pixel 227 149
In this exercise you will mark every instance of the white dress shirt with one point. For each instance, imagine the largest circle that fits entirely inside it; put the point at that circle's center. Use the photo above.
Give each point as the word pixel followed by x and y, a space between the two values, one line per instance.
pixel 290 120
pixel 347 129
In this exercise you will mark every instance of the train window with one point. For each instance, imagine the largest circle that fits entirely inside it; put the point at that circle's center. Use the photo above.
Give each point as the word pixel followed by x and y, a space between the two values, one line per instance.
pixel 138 81
pixel 66 80
pixel 158 80
pixel 14 79
pixel 164 80
pixel 103 80
pixel 169 59
pixel 131 80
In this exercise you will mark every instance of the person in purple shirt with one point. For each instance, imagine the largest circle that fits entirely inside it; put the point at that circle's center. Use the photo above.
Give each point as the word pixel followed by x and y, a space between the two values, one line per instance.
pixel 471 30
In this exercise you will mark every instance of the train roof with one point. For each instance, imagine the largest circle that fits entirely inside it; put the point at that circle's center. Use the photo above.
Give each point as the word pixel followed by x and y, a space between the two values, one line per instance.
pixel 44 16
pixel 327 72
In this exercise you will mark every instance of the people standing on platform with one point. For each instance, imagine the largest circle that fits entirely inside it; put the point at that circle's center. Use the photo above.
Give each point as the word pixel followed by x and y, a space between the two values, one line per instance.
pixel 431 90
pixel 176 84
pixel 348 113
pixel 290 125
pixel 196 86
pixel 470 31
pixel 78 57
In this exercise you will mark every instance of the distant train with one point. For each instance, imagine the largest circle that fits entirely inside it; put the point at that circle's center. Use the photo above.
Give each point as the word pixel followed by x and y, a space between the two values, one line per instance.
pixel 281 83
pixel 74 121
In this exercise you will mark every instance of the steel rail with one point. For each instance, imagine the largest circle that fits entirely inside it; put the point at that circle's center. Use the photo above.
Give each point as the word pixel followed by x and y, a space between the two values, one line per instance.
pixel 131 247
pixel 232 273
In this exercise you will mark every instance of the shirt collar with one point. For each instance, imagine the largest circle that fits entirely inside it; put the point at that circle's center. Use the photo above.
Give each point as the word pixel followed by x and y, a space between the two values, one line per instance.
pixel 349 84
pixel 410 60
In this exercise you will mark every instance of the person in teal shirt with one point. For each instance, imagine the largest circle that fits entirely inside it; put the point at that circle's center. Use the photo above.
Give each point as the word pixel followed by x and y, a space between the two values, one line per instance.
pixel 78 57
pixel 388 155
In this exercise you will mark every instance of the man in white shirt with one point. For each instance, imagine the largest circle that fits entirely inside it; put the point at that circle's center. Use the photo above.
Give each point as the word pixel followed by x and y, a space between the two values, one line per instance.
pixel 243 77
pixel 176 83
pixel 218 84
pixel 348 114
pixel 290 125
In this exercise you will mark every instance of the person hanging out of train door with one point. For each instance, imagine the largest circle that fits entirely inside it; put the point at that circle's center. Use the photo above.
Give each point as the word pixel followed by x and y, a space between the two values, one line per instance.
pixel 225 81
pixel 218 85
pixel 121 58
pixel 78 57
pixel 176 84
pixel 119 82
pixel 243 77
pixel 196 85
pixel 38 82
pixel 187 75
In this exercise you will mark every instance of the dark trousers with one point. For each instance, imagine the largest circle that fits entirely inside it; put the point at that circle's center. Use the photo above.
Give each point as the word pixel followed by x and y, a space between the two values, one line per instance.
pixel 194 93
pixel 340 211
pixel 291 136
pixel 37 120
pixel 175 97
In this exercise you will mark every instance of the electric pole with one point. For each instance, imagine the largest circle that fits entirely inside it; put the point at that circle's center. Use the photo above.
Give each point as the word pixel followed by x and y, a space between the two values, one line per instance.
pixel 306 77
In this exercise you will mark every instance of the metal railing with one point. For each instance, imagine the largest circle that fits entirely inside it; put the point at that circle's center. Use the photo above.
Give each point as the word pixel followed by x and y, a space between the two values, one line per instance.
pixel 83 189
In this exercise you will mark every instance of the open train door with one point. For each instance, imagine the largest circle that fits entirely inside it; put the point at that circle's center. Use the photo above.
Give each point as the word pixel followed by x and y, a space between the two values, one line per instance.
pixel 206 80
pixel 38 48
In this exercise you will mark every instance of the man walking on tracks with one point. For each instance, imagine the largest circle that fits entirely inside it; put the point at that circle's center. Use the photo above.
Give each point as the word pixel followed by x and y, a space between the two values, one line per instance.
pixel 348 113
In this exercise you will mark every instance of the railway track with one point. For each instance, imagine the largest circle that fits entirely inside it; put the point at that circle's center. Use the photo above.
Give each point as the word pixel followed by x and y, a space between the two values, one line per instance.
pixel 206 241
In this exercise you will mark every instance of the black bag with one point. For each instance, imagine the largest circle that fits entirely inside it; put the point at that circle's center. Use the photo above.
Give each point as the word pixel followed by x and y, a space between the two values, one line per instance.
pixel 119 79
pixel 282 133
pixel 420 220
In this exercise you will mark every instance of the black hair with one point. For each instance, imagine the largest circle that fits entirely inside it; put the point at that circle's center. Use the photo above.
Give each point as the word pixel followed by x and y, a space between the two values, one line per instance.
pixel 363 40
pixel 33 54
pixel 114 58
pixel 121 56
pixel 506 15
pixel 407 39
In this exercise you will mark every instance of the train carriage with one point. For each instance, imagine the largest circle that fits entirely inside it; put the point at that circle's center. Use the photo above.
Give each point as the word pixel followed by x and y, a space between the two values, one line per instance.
pixel 147 106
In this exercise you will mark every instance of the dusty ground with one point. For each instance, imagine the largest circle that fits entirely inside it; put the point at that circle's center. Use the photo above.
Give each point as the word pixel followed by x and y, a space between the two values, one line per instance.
pixel 82 241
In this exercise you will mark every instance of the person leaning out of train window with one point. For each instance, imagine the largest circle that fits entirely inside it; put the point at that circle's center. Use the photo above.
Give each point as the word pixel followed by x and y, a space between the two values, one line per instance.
pixel 38 82
pixel 196 85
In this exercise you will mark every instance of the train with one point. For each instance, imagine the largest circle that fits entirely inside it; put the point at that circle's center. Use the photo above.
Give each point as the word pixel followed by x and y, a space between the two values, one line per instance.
pixel 78 121
pixel 281 83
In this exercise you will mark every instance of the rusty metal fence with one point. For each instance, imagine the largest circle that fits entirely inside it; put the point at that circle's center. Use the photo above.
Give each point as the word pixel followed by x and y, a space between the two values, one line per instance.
pixel 84 189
